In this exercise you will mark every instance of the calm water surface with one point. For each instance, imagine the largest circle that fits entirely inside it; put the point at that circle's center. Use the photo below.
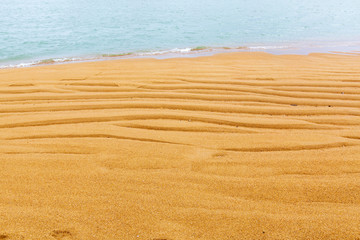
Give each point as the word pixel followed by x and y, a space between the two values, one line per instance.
pixel 34 30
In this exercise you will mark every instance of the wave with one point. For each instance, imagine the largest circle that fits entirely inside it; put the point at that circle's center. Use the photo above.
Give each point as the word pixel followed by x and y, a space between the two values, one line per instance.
pixel 50 61
pixel 41 62
pixel 293 48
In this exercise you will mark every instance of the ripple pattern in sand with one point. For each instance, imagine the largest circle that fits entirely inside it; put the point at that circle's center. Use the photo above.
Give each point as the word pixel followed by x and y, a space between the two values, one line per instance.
pixel 260 145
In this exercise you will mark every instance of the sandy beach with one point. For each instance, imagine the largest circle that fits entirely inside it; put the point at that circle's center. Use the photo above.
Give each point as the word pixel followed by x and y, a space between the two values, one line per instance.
pixel 231 146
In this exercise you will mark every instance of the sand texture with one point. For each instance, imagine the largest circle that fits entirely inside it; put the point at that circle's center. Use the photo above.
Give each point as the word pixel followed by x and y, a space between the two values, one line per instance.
pixel 233 146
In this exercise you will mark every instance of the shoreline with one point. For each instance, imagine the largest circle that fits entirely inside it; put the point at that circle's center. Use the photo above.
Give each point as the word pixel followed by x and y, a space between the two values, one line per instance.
pixel 303 48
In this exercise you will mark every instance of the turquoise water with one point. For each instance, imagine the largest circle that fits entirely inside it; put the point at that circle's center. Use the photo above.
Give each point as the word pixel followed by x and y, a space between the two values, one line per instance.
pixel 35 30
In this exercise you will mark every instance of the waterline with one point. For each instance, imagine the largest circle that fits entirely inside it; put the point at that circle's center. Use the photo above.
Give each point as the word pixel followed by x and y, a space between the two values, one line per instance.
pixel 274 48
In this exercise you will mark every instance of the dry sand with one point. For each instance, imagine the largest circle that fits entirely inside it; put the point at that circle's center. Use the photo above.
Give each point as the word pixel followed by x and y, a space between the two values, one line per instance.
pixel 233 146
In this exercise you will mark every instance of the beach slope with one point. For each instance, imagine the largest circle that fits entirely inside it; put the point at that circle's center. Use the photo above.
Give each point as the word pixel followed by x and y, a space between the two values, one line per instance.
pixel 232 146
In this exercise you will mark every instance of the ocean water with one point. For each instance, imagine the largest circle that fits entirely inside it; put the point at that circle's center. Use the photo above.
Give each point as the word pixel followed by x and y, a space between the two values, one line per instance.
pixel 33 31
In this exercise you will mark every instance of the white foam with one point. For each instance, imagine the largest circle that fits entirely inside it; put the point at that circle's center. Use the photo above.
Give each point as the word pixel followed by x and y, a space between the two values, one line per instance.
pixel 19 65
pixel 175 50
pixel 60 60
pixel 42 62
pixel 268 47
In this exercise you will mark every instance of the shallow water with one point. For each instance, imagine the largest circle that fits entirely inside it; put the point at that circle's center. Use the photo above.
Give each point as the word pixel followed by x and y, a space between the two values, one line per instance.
pixel 35 30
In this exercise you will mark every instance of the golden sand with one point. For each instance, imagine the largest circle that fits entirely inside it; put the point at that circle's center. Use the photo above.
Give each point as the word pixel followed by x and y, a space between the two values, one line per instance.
pixel 233 146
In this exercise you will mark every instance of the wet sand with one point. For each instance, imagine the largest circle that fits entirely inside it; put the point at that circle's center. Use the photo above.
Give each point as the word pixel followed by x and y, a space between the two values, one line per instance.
pixel 232 146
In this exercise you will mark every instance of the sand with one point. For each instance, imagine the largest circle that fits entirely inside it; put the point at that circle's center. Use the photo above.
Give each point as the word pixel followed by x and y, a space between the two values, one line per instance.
pixel 232 146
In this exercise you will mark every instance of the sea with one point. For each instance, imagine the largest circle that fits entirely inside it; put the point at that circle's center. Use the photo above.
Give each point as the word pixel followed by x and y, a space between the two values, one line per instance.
pixel 36 32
